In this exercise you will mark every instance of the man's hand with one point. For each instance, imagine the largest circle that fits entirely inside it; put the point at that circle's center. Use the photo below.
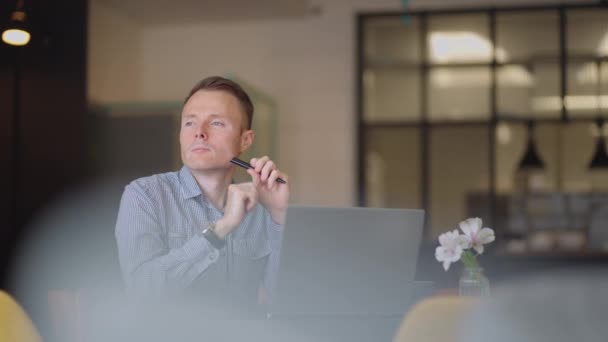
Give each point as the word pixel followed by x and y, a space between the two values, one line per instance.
pixel 240 199
pixel 273 196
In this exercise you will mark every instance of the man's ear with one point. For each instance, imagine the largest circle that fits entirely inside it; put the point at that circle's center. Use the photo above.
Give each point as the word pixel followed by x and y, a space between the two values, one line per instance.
pixel 247 138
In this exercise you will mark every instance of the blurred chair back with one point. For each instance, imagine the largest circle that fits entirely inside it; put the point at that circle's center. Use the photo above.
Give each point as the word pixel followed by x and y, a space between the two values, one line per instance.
pixel 436 319
pixel 15 324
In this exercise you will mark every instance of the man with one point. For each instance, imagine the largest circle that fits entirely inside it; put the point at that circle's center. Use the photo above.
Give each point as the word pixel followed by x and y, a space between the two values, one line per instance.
pixel 193 230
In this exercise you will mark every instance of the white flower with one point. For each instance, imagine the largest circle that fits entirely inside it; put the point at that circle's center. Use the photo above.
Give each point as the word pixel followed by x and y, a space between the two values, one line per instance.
pixel 450 249
pixel 474 236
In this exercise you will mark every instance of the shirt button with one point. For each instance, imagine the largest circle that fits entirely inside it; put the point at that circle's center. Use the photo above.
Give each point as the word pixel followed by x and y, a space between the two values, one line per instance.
pixel 212 256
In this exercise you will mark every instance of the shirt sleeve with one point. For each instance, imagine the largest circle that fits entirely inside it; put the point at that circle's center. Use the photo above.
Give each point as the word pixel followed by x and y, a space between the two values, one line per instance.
pixel 275 236
pixel 147 263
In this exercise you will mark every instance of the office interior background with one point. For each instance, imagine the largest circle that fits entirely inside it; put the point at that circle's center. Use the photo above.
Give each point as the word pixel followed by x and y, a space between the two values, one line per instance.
pixel 462 108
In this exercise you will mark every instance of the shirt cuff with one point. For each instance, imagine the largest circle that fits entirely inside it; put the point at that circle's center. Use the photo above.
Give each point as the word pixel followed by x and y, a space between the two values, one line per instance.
pixel 198 248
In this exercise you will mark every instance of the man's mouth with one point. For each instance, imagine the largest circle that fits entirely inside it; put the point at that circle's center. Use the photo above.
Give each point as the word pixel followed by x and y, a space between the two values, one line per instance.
pixel 200 148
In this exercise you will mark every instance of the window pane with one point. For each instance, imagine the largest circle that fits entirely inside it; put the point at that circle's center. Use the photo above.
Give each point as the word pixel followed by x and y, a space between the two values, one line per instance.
pixel 391 95
pixel 565 149
pixel 461 38
pixel 459 93
pixel 511 140
pixel 587 32
pixel 527 37
pixel 393 167
pixel 547 136
pixel 587 35
pixel 529 88
pixel 463 150
pixel 604 88
pixel 526 199
pixel 392 40
pixel 529 92
pixel 583 98
pixel 578 148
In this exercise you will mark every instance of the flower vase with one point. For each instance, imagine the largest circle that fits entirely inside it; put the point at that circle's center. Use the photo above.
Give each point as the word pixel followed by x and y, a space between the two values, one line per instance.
pixel 473 283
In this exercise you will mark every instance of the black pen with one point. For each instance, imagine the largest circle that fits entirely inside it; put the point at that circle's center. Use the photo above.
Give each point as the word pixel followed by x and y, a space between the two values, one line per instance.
pixel 246 165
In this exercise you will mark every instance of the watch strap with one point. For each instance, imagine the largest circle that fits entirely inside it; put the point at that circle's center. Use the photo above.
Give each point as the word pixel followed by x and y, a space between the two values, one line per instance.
pixel 211 236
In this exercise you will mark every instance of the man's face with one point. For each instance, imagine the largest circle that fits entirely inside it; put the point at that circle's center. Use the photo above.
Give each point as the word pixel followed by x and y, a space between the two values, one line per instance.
pixel 212 130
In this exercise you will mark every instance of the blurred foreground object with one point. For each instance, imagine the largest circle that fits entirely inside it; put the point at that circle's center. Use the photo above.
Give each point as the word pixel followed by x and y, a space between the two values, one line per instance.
pixel 436 319
pixel 15 325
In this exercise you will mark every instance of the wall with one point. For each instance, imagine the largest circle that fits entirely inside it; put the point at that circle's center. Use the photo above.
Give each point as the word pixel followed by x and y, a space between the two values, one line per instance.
pixel 307 64
pixel 114 55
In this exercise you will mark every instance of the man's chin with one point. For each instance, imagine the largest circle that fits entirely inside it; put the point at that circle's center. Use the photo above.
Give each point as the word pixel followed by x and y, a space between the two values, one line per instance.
pixel 207 167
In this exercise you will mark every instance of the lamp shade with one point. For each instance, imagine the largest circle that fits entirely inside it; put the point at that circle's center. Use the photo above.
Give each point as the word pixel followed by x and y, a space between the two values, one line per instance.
pixel 600 157
pixel 531 160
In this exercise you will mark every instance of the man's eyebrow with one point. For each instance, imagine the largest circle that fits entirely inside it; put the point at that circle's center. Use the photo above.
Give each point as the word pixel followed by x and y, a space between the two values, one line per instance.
pixel 213 115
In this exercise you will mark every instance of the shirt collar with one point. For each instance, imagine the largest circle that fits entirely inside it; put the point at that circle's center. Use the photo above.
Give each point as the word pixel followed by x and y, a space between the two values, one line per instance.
pixel 188 183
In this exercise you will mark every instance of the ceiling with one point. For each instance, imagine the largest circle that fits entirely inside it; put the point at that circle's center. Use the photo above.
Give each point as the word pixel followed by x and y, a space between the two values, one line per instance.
pixel 163 12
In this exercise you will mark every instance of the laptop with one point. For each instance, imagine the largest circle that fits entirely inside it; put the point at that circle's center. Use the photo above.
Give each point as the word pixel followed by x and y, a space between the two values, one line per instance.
pixel 347 261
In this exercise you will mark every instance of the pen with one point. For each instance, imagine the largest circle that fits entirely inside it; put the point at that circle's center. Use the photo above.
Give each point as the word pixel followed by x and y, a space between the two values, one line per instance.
pixel 246 165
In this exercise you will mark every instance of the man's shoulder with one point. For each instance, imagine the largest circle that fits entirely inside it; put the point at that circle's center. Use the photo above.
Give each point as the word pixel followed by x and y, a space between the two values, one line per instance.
pixel 153 183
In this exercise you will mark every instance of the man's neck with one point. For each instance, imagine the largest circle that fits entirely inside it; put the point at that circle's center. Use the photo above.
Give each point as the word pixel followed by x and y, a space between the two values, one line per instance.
pixel 214 185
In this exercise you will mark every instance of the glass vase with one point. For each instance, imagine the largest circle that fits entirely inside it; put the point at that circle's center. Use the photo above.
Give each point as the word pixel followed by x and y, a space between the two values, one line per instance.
pixel 473 283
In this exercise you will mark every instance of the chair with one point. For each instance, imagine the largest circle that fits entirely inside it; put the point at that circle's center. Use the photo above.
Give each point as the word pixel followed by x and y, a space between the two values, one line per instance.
pixel 15 325
pixel 435 319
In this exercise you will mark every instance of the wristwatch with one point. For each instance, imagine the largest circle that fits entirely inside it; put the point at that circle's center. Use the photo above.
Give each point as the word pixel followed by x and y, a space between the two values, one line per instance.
pixel 209 234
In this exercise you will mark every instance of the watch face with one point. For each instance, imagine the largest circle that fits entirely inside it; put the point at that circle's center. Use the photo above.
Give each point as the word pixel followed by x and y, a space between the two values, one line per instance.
pixel 210 235
pixel 208 228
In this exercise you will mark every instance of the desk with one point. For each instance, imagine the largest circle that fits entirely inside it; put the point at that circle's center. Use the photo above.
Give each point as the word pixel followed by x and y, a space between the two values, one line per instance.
pixel 351 327
pixel 342 328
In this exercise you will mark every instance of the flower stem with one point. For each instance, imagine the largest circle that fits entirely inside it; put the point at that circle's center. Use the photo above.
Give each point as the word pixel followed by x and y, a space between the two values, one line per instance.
pixel 469 259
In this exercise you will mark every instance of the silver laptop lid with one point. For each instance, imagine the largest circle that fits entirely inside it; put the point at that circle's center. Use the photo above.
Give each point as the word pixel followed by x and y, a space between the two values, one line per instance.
pixel 347 261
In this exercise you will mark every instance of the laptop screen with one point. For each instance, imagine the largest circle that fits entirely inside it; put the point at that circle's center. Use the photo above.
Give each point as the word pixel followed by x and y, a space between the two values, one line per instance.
pixel 347 261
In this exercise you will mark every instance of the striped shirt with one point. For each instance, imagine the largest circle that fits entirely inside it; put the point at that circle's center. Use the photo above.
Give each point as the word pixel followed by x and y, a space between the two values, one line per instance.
pixel 161 248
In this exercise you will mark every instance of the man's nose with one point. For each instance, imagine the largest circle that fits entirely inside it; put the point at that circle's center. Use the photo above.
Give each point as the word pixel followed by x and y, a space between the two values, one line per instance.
pixel 201 132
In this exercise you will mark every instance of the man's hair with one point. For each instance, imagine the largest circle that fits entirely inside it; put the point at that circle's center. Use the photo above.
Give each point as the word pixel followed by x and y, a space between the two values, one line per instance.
pixel 231 87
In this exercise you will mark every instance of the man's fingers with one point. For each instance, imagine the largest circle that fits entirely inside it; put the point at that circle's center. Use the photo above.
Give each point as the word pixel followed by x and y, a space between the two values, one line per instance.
pixel 255 177
pixel 251 199
pixel 258 164
pixel 250 205
pixel 266 170
pixel 272 179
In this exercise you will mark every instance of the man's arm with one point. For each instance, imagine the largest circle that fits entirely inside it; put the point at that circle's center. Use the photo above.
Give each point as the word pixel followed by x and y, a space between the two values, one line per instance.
pixel 147 263
pixel 275 198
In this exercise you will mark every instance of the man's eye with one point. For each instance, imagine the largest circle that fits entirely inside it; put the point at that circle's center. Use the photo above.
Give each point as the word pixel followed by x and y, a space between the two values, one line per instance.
pixel 218 123
pixel 188 123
